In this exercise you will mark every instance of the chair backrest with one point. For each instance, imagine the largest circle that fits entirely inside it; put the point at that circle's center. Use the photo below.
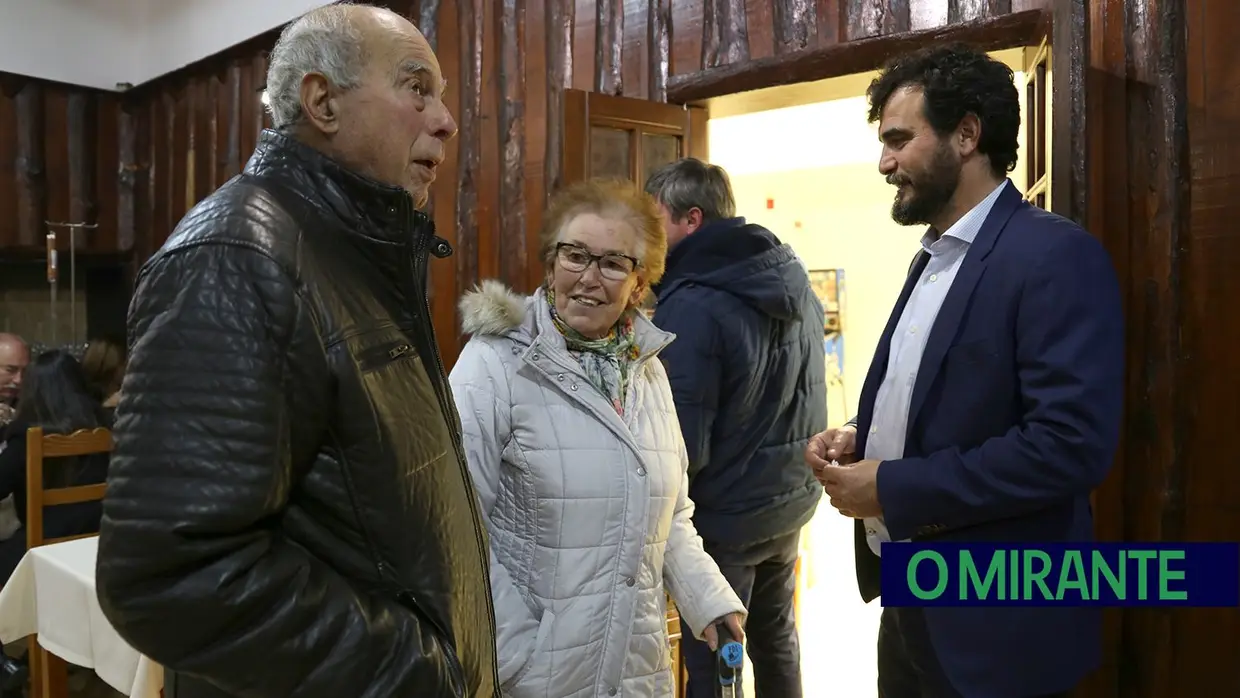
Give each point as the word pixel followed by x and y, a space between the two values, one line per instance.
pixel 40 446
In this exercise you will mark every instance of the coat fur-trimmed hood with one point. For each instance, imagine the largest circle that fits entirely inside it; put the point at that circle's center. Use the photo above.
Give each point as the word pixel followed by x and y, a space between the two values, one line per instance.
pixel 491 309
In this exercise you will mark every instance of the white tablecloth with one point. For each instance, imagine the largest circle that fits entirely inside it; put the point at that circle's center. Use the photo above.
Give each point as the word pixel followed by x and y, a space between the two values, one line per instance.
pixel 52 593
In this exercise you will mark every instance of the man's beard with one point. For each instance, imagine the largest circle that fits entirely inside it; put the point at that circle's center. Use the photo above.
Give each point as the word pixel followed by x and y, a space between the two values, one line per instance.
pixel 931 190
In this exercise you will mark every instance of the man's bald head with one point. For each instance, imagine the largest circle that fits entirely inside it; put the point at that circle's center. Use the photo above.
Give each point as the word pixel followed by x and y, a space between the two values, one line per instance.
pixel 14 357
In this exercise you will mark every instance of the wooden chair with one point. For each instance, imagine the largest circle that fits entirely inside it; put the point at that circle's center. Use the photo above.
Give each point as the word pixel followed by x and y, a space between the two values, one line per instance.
pixel 49 674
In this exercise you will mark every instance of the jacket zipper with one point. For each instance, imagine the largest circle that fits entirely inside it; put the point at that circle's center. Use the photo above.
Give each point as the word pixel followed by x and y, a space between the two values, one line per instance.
pixel 442 249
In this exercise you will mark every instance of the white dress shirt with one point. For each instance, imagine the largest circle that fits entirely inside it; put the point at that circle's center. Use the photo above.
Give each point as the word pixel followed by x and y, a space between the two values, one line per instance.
pixel 889 423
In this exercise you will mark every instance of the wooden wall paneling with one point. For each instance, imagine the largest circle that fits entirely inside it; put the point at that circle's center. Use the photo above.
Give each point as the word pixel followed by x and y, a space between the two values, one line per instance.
pixel 795 24
pixel 688 18
pixel 31 175
pixel 581 43
pixel 56 168
pixel 608 46
pixel 725 33
pixel 82 120
pixel 868 18
pixel 8 162
pixel 635 52
pixel 469 143
pixel 103 144
pixel 659 45
pixel 561 28
pixel 969 10
pixel 228 157
pixel 760 27
pixel 489 174
pixel 180 102
pixel 132 177
pixel 512 247
pixel 536 97
pixel 1211 328
pixel 835 60
pixel 830 22
pixel 448 30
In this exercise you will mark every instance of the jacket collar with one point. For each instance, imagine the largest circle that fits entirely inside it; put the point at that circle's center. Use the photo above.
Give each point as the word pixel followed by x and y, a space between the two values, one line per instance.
pixel 370 208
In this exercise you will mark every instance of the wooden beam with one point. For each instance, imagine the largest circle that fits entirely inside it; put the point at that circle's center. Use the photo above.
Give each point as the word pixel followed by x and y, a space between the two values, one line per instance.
pixel 725 33
pixel 560 16
pixel 793 21
pixel 83 125
pixel 469 144
pixel 31 171
pixel 658 44
pixel 428 22
pixel 512 238
pixel 1016 29
pixel 608 46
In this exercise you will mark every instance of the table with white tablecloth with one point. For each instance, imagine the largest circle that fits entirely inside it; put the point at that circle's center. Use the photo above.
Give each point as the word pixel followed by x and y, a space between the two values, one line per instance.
pixel 52 593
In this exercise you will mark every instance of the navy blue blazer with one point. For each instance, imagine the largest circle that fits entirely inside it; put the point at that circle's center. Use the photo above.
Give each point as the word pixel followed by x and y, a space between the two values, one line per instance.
pixel 1014 420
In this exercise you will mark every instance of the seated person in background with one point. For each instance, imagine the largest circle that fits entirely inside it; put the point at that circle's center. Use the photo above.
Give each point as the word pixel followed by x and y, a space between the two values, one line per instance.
pixel 103 364
pixel 14 355
pixel 57 398
pixel 574 447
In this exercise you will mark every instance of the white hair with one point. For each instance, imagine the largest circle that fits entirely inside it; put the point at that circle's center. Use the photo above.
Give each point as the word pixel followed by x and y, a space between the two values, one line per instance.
pixel 325 40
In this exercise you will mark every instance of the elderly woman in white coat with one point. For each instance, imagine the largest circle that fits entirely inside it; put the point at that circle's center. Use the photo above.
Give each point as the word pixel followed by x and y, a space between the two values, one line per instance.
pixel 575 449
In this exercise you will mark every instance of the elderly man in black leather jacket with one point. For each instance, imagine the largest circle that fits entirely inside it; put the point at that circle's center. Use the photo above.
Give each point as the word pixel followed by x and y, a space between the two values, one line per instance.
pixel 289 513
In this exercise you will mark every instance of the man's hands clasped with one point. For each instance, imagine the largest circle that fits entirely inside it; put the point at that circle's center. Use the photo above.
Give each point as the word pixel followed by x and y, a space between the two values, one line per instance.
pixel 852 485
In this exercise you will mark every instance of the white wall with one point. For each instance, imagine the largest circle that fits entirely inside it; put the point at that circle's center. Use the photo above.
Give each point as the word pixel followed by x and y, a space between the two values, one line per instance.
pixel 100 43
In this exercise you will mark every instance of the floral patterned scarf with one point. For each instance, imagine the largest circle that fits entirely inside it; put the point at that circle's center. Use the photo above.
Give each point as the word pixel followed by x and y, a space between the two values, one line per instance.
pixel 607 362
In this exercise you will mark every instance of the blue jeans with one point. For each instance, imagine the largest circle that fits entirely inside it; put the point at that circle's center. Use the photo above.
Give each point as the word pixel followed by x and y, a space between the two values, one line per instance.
pixel 764 577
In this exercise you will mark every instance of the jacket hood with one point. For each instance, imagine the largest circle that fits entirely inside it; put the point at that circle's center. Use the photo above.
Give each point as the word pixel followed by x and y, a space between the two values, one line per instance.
pixel 493 309
pixel 744 260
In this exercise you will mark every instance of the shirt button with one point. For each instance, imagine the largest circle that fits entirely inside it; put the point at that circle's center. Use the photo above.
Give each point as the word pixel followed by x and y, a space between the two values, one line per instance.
pixel 874 430
pixel 870 531
pixel 934 277
pixel 912 330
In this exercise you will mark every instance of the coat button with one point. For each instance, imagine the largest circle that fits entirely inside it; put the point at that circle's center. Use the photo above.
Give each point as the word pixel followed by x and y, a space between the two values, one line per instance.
pixel 630 582
pixel 536 356
pixel 574 386
pixel 611 691
pixel 641 471
pixel 560 377
pixel 515 351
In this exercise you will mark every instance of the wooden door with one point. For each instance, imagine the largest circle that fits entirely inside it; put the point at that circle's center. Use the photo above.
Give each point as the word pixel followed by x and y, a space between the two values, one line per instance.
pixel 606 136
pixel 1037 135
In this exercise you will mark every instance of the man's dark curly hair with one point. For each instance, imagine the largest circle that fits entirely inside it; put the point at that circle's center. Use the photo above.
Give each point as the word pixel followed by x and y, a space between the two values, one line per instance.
pixel 957 80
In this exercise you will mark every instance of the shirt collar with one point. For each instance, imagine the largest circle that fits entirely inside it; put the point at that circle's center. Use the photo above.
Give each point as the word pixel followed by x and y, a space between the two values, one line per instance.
pixel 970 224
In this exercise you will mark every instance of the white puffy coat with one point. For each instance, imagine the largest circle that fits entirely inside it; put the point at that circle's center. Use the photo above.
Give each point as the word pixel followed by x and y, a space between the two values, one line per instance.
pixel 588 512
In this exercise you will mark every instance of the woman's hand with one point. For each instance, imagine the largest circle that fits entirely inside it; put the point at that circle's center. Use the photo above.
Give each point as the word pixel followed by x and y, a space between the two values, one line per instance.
pixel 733 623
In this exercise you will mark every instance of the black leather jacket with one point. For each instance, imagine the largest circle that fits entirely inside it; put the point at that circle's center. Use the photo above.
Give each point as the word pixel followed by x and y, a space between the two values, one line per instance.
pixel 289 513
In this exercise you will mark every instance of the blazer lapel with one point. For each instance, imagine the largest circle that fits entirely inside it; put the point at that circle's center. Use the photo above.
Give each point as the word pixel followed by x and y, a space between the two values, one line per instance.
pixel 951 314
pixel 878 365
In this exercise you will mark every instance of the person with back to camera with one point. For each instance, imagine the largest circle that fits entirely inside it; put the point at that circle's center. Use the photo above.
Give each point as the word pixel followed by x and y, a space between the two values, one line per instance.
pixel 576 452
pixel 992 405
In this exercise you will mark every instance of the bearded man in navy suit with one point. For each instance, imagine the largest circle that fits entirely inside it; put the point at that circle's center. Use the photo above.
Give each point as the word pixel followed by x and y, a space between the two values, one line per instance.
pixel 993 403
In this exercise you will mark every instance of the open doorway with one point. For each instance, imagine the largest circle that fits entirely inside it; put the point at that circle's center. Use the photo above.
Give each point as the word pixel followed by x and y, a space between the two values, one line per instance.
pixel 804 163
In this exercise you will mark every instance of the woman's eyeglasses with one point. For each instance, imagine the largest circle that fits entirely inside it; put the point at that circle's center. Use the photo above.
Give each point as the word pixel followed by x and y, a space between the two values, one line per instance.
pixel 616 267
